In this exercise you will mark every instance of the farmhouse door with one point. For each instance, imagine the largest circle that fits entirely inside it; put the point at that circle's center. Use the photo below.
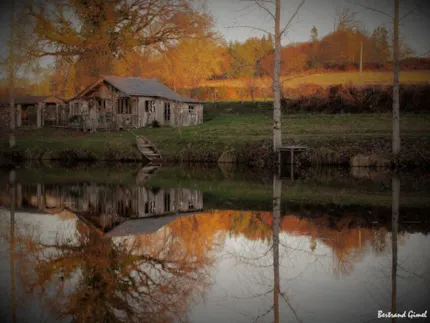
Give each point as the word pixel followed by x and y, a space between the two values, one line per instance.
pixel 141 113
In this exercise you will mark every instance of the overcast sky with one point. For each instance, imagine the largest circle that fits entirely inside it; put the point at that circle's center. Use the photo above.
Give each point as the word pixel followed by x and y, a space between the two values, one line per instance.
pixel 229 14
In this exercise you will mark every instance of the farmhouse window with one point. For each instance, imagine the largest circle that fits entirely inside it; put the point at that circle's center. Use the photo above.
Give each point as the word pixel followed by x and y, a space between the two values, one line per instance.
pixel 190 109
pixel 166 111
pixel 75 110
pixel 124 106
pixel 150 106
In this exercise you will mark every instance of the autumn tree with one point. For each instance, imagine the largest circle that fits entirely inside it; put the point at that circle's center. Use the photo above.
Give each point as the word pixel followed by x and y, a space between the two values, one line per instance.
pixel 247 57
pixel 346 19
pixel 193 61
pixel 342 48
pixel 93 33
pixel 380 45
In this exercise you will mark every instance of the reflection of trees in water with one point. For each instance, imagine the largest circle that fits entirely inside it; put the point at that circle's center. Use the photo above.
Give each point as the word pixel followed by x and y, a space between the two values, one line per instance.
pixel 268 253
pixel 94 279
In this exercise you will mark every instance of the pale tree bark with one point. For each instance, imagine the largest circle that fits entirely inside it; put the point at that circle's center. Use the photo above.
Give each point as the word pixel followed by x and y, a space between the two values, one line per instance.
pixel 396 68
pixel 276 84
pixel 394 230
pixel 277 132
pixel 12 114
pixel 277 189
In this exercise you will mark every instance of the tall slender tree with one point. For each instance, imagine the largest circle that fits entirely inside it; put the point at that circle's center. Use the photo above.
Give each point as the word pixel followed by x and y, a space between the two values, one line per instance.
pixel 277 131
pixel 12 139
pixel 276 84
pixel 396 71
pixel 314 34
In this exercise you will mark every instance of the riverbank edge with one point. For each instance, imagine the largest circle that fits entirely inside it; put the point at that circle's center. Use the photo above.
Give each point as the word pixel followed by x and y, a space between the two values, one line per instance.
pixel 367 153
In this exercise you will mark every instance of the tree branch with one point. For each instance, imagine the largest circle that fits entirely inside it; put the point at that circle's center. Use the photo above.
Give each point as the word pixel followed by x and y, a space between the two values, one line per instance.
pixel 370 8
pixel 250 27
pixel 257 2
pixel 289 305
pixel 409 12
pixel 292 17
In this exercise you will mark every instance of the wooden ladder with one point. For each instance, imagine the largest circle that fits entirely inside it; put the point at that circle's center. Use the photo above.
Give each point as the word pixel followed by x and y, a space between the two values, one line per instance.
pixel 147 148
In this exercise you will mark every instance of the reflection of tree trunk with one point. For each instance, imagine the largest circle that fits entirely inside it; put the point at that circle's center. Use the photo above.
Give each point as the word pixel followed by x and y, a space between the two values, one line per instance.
pixel 277 188
pixel 12 193
pixel 396 68
pixel 394 229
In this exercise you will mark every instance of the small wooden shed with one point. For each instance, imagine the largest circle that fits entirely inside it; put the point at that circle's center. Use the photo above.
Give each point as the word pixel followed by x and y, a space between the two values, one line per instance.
pixel 133 102
pixel 32 110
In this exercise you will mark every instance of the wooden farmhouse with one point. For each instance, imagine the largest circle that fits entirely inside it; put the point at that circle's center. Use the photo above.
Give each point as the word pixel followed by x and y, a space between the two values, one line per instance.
pixel 132 102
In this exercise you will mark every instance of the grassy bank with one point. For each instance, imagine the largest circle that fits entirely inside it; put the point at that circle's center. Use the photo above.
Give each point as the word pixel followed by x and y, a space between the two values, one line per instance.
pixel 246 135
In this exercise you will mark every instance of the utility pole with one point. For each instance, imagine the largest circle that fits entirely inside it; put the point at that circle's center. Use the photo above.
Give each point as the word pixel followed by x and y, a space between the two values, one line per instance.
pixel 12 116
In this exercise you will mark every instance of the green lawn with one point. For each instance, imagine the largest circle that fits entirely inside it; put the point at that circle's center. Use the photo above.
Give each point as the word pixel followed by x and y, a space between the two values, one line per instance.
pixel 326 133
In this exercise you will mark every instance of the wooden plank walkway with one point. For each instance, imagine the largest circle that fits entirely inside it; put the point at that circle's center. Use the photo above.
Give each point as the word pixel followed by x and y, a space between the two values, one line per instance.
pixel 148 149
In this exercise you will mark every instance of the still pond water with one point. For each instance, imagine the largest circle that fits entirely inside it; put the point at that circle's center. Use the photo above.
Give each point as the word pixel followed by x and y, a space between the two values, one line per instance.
pixel 175 244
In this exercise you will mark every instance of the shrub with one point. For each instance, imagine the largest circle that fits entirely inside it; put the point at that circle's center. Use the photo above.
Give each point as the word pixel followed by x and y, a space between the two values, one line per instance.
pixel 155 124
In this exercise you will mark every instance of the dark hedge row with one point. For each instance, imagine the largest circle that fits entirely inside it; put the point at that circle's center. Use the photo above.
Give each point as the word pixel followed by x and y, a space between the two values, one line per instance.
pixel 349 99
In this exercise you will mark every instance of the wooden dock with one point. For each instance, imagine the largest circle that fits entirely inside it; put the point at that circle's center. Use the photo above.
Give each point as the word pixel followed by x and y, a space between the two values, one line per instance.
pixel 148 149
pixel 291 149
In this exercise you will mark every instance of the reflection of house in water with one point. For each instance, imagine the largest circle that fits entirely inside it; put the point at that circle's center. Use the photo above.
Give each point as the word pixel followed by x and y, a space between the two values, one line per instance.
pixel 106 206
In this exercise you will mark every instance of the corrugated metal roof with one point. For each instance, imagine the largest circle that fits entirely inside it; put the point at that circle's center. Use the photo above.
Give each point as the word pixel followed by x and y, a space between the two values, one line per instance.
pixel 137 86
pixel 28 99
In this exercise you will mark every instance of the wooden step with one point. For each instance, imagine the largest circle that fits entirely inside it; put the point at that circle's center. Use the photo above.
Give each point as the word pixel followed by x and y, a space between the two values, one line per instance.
pixel 152 155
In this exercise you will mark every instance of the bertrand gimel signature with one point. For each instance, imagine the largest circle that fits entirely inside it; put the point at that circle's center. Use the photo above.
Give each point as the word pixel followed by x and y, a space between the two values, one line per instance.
pixel 406 314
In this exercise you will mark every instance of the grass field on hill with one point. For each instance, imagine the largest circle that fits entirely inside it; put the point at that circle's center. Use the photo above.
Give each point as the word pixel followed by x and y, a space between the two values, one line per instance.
pixel 327 79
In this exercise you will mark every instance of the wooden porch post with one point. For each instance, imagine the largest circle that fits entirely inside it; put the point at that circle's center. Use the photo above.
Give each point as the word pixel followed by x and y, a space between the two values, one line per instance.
pixel 42 114
pixel 18 195
pixel 57 117
pixel 18 115
pixel 39 115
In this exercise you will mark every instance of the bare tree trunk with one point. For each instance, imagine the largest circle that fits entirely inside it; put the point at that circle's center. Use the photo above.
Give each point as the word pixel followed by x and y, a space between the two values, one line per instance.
pixel 277 188
pixel 361 63
pixel 277 138
pixel 12 139
pixel 396 103
pixel 394 230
